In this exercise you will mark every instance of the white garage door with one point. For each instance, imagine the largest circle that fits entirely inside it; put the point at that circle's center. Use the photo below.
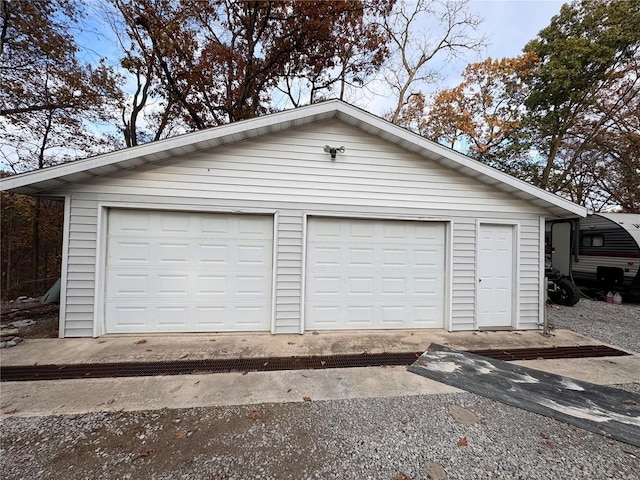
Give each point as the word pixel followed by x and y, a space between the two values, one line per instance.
pixel 188 272
pixel 373 274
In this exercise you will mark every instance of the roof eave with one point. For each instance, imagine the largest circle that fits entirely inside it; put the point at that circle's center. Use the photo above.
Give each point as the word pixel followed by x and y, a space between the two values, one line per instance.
pixel 56 177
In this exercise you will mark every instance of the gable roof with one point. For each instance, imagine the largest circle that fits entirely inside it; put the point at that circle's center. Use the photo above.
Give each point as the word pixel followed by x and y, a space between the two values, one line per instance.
pixel 51 178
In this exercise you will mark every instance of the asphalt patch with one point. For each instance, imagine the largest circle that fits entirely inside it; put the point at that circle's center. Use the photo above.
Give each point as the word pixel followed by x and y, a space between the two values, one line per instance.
pixel 604 410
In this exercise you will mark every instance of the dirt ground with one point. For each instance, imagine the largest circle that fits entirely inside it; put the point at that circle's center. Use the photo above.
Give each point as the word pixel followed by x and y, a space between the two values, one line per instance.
pixel 45 316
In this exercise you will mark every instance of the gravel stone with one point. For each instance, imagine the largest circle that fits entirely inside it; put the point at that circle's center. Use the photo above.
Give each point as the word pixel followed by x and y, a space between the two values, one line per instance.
pixel 435 471
pixel 462 415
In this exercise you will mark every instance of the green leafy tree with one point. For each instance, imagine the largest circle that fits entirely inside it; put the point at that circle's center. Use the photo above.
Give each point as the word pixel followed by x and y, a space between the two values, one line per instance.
pixel 586 45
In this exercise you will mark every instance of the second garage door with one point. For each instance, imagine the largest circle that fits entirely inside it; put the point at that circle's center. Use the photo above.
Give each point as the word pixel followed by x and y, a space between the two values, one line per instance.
pixel 188 272
pixel 374 274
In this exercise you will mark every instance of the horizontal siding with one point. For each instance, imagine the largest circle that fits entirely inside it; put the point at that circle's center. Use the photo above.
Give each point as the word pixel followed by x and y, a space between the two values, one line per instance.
pixel 529 299
pixel 290 173
pixel 292 167
pixel 288 272
pixel 464 274
pixel 81 269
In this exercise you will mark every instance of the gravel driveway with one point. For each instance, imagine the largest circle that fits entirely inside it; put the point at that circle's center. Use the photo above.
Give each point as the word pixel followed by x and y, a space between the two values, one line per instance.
pixel 617 325
pixel 453 436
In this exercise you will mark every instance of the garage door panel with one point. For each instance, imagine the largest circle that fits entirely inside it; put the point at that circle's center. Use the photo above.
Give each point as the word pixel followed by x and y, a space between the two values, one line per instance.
pixel 172 317
pixel 173 253
pixel 360 257
pixel 211 285
pixel 173 285
pixel 212 254
pixel 371 274
pixel 188 282
pixel 126 252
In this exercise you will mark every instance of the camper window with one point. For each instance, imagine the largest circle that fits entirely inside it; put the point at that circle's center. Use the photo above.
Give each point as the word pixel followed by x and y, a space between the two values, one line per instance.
pixel 592 241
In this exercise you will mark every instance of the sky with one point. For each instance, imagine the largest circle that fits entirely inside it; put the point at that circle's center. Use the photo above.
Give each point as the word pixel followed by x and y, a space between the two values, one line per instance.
pixel 508 25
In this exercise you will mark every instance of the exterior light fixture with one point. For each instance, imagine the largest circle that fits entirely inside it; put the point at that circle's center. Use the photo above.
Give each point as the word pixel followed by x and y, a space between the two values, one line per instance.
pixel 333 150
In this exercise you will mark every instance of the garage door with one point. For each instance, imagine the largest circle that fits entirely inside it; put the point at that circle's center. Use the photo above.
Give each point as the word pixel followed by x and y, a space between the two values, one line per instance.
pixel 188 272
pixel 372 274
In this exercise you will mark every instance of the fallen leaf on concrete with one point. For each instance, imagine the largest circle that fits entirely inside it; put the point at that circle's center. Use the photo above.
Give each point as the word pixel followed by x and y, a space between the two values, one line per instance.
pixel 463 442
pixel 148 350
pixel 254 415
pixel 181 434
pixel 291 343
pixel 142 454
pixel 630 402
pixel 141 342
pixel 245 373
pixel 184 356
pixel 288 390
pixel 306 399
pixel 548 444
pixel 212 339
pixel 102 341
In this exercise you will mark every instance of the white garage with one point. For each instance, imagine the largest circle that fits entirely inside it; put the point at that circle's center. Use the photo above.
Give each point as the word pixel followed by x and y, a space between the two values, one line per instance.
pixel 187 272
pixel 374 274
pixel 323 217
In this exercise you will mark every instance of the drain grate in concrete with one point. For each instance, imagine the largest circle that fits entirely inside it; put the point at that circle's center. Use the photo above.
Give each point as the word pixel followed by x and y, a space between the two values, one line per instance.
pixel 581 351
pixel 225 365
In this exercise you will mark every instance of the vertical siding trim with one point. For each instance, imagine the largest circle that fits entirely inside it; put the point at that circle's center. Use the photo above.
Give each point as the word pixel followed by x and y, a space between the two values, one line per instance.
pixel 448 300
pixel 541 274
pixel 101 270
pixel 303 285
pixel 476 275
pixel 516 253
pixel 274 271
pixel 65 266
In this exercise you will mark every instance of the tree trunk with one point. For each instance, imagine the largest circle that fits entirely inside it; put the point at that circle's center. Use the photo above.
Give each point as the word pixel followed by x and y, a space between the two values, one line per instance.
pixel 35 244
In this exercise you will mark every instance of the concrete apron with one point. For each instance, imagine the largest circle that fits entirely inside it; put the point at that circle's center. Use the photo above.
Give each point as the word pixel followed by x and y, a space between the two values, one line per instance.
pixel 186 391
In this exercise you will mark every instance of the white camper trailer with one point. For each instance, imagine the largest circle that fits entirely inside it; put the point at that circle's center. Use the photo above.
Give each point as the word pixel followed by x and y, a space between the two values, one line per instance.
pixel 602 249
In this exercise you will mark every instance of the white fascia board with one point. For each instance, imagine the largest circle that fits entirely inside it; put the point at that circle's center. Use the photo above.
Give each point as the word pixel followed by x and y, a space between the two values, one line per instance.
pixel 287 119
pixel 449 157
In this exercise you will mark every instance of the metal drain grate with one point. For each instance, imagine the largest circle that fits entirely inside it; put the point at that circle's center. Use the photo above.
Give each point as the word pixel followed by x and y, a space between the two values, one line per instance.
pixel 187 367
pixel 582 351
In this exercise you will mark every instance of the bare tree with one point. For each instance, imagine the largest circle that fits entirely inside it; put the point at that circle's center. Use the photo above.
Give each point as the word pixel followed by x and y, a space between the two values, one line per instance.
pixel 422 33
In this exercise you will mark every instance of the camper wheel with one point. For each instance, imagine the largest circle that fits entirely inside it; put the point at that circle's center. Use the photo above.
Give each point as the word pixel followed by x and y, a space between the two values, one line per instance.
pixel 565 293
